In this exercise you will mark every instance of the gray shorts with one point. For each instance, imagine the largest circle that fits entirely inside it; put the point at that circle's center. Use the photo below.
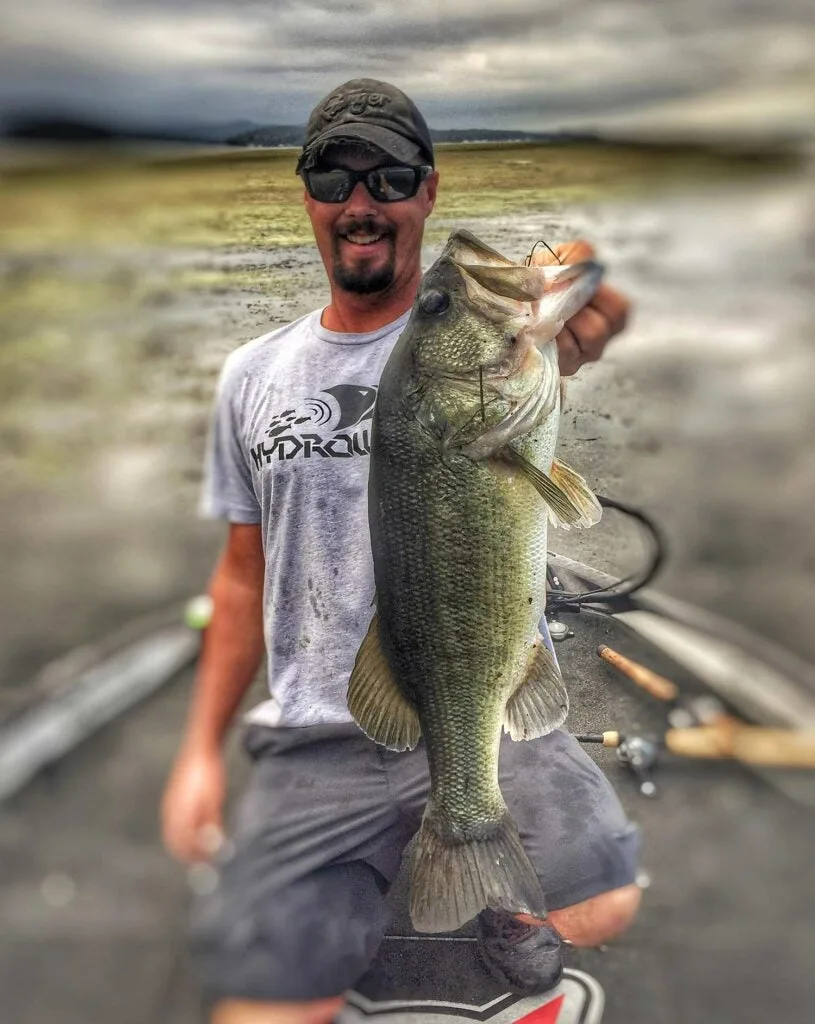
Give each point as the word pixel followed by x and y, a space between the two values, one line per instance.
pixel 300 908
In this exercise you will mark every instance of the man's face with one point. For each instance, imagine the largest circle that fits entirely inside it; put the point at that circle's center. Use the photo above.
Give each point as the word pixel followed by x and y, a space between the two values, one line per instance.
pixel 366 245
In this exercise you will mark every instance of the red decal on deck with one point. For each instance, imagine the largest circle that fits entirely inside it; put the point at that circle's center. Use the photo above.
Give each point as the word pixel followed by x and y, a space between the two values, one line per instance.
pixel 547 1014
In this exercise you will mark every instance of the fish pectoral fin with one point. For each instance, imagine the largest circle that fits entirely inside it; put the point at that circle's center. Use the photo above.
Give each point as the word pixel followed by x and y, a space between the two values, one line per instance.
pixel 575 487
pixel 540 704
pixel 569 500
pixel 377 704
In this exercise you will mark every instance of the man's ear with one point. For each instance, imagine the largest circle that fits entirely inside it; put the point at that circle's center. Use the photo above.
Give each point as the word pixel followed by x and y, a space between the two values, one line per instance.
pixel 431 184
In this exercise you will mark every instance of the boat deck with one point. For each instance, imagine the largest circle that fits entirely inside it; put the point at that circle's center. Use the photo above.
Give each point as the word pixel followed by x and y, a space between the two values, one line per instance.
pixel 94 912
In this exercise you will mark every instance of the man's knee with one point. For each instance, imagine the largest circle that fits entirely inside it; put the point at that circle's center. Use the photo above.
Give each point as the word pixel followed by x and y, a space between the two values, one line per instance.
pixel 598 919
pixel 291 946
pixel 239 1011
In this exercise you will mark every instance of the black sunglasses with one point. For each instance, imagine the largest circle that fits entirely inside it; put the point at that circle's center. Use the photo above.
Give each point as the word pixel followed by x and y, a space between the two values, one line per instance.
pixel 385 184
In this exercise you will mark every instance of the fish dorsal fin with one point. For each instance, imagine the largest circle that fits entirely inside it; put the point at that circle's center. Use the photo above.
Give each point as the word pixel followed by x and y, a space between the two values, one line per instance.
pixel 569 500
pixel 377 704
pixel 540 704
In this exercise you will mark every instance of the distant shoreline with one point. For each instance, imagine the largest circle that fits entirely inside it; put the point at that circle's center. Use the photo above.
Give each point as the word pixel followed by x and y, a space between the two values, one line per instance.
pixel 32 156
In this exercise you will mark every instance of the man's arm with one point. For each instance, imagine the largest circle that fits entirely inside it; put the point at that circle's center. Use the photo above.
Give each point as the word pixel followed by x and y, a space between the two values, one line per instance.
pixel 232 650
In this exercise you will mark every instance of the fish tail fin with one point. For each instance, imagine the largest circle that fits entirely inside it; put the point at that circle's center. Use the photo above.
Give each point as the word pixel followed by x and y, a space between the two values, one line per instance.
pixel 455 877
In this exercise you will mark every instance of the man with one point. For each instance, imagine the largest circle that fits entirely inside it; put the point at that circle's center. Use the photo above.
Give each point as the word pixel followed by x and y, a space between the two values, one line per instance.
pixel 299 909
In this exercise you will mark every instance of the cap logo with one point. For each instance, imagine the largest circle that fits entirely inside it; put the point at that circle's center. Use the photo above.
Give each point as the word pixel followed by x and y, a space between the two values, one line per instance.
pixel 357 104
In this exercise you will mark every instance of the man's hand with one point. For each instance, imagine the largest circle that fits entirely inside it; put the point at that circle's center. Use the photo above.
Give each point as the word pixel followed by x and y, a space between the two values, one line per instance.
pixel 232 650
pixel 191 811
pixel 584 337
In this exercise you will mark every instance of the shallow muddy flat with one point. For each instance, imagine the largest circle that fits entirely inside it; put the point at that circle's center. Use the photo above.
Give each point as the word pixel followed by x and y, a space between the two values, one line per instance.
pixel 701 412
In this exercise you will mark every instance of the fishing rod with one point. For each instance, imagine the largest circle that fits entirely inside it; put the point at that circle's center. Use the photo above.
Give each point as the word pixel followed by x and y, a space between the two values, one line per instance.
pixel 699 727
pixel 733 741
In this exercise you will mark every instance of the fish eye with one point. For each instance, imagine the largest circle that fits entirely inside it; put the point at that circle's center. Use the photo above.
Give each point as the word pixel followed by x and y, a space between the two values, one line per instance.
pixel 434 302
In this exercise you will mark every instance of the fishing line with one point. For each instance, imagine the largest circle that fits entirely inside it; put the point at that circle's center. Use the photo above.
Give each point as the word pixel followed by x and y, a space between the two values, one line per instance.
pixel 481 385
pixel 559 598
pixel 540 241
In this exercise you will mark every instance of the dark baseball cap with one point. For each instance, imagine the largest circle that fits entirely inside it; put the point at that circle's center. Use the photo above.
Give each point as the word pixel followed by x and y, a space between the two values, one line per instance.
pixel 375 112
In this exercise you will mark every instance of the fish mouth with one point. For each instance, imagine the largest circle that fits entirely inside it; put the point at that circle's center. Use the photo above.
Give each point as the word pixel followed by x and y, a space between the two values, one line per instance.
pixel 463 248
pixel 533 301
pixel 561 285
pixel 503 290
pixel 569 288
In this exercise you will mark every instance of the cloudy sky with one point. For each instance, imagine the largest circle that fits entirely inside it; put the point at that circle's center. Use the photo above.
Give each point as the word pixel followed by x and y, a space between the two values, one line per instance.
pixel 706 65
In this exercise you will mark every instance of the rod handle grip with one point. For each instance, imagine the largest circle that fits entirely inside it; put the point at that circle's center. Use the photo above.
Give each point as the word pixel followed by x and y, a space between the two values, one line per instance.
pixel 658 686
pixel 783 748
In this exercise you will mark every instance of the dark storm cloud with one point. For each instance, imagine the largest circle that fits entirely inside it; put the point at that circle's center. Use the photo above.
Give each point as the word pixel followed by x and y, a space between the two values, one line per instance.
pixel 401 31
pixel 526 63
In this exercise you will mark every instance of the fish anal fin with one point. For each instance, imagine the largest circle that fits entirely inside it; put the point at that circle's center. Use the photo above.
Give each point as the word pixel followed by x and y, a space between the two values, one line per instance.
pixel 541 703
pixel 378 706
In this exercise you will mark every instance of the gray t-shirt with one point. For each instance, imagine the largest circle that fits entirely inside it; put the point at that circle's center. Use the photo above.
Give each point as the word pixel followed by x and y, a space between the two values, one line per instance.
pixel 288 449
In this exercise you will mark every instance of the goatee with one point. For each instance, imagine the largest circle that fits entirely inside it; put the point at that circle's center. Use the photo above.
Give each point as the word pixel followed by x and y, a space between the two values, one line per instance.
pixel 361 279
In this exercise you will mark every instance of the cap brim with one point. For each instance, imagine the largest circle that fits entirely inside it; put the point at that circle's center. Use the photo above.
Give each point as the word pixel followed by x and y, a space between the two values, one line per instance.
pixel 392 143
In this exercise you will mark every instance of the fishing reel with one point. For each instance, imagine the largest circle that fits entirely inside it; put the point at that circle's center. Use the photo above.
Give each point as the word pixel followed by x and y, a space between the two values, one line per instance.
pixel 698 727
pixel 638 753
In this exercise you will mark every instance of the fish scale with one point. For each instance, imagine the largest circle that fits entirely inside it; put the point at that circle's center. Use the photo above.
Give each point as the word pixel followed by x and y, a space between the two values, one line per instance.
pixel 463 438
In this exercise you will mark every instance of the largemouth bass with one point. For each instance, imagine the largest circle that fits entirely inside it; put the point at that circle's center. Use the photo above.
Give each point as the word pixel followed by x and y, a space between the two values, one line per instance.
pixel 463 479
